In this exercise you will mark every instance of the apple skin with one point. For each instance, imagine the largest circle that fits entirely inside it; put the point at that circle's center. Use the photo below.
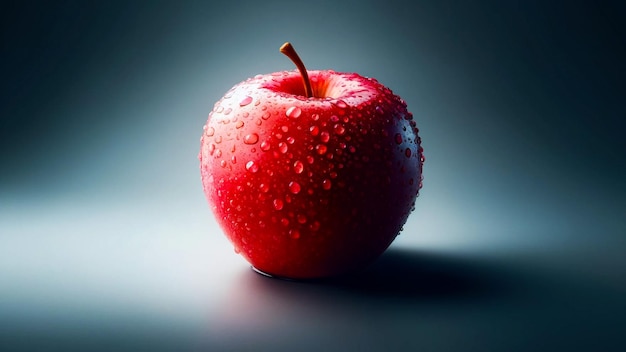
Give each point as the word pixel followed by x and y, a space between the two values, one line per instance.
pixel 311 187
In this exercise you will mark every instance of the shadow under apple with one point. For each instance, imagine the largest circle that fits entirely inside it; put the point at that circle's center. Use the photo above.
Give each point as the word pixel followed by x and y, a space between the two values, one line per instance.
pixel 401 284
pixel 425 277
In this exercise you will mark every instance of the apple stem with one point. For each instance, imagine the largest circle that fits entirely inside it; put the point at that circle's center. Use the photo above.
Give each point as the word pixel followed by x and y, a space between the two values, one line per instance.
pixel 291 53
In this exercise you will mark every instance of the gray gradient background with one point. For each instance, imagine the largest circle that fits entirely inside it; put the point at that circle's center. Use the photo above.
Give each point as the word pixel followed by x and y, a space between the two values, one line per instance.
pixel 517 243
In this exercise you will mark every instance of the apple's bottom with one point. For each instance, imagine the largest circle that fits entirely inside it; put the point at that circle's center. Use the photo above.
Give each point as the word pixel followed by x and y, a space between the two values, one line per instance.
pixel 272 276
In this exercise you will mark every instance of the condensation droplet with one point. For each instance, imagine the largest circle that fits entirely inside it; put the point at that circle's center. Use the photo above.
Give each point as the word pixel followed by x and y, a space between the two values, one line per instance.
pixel 314 130
pixel 293 112
pixel 324 136
pixel 266 115
pixel 264 187
pixel 341 104
pixel 210 131
pixel 315 117
pixel 309 159
pixel 398 138
pixel 294 187
pixel 218 139
pixel 326 184
pixel 282 147
pixel 278 204
pixel 298 167
pixel 285 222
pixel 239 124
pixel 265 146
pixel 315 225
pixel 407 152
pixel 252 166
pixel 245 101
pixel 227 111
pixel 321 149
pixel 284 128
pixel 301 218
pixel 251 138
pixel 294 233
pixel 339 129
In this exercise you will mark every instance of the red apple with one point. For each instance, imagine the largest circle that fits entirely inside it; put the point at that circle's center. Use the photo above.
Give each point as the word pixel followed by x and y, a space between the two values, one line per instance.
pixel 310 180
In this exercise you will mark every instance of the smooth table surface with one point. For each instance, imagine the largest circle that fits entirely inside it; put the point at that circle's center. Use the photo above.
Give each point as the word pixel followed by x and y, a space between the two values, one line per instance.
pixel 161 276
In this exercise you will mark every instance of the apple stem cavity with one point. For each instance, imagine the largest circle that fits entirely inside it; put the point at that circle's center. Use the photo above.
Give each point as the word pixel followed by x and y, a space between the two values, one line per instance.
pixel 291 53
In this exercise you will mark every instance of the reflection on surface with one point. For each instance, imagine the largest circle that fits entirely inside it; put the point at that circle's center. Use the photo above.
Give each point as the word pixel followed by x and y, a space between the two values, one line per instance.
pixel 411 298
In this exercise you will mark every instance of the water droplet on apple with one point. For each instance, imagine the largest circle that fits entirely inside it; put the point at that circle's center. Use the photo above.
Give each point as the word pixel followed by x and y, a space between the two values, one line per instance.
pixel 294 233
pixel 218 139
pixel 326 184
pixel 321 149
pixel 298 167
pixel 407 152
pixel 265 146
pixel 284 221
pixel 252 166
pixel 398 138
pixel 309 159
pixel 264 187
pixel 339 129
pixel 315 117
pixel 324 136
pixel 294 187
pixel 314 130
pixel 301 218
pixel 284 128
pixel 210 131
pixel 341 104
pixel 266 115
pixel 233 159
pixel 251 138
pixel 245 101
pixel 278 204
pixel 227 111
pixel 239 124
pixel 315 225
pixel 293 112
pixel 282 147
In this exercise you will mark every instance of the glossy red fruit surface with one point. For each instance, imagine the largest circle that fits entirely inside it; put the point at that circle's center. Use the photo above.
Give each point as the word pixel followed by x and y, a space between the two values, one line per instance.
pixel 311 187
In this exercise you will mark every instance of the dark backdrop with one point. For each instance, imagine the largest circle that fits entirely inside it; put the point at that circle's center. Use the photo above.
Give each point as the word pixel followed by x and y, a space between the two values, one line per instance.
pixel 105 234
